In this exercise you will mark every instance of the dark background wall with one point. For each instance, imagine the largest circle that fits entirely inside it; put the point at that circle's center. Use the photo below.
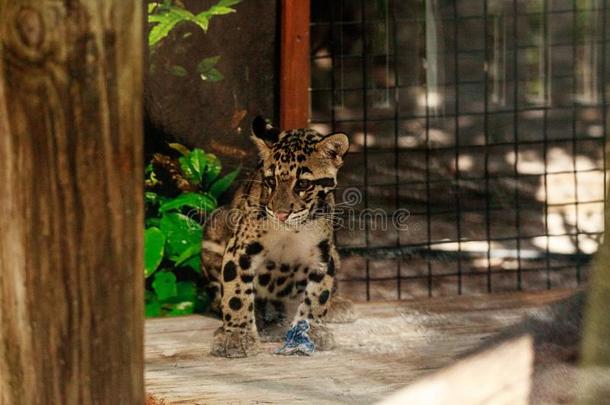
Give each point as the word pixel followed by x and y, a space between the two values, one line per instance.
pixel 216 115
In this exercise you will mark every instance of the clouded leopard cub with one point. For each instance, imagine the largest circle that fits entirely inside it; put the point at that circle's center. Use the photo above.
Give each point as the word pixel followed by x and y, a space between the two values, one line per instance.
pixel 270 257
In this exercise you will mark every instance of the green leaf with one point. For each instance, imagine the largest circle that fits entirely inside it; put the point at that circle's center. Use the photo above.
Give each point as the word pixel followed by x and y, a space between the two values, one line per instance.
pixel 166 16
pixel 200 202
pixel 181 308
pixel 152 202
pixel 208 71
pixel 150 222
pixel 166 21
pixel 155 18
pixel 204 166
pixel 221 185
pixel 153 199
pixel 206 64
pixel 220 10
pixel 226 3
pixel 213 75
pixel 151 181
pixel 184 151
pixel 164 24
pixel 199 166
pixel 178 70
pixel 199 161
pixel 202 20
pixel 185 259
pixel 183 302
pixel 154 246
pixel 165 285
pixel 194 263
pixel 181 232
pixel 152 307
pixel 185 291
pixel 188 170
pixel 183 13
pixel 212 169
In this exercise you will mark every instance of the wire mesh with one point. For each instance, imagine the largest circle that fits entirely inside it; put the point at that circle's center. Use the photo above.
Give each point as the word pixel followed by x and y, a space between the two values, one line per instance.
pixel 478 133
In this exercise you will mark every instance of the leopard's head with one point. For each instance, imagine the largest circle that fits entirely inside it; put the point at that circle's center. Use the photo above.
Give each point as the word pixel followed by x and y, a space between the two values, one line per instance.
pixel 298 170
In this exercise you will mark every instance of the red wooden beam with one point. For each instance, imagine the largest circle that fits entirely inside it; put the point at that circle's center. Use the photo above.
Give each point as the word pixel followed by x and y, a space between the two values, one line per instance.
pixel 294 65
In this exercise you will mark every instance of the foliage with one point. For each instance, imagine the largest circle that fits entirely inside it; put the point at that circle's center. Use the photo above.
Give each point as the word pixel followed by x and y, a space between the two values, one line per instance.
pixel 172 239
pixel 164 17
pixel 180 191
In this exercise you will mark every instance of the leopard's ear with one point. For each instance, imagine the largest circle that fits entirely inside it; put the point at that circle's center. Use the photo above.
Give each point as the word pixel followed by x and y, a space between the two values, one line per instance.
pixel 334 147
pixel 264 136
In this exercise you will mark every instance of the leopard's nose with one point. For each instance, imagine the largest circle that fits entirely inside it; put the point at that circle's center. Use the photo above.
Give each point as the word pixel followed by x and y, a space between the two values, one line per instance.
pixel 282 215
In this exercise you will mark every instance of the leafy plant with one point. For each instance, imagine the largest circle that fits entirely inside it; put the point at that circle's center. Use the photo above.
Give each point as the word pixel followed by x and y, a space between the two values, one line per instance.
pixel 164 17
pixel 180 191
pixel 179 194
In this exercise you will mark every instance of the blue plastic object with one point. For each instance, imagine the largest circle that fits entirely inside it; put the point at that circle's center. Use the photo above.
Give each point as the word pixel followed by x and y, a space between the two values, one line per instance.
pixel 297 341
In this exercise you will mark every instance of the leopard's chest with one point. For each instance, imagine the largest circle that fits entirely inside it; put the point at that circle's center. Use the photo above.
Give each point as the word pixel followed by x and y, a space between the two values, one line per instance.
pixel 290 256
pixel 287 246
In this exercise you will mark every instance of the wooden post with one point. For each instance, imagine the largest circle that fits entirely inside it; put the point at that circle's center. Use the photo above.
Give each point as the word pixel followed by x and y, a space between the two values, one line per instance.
pixel 595 358
pixel 294 87
pixel 71 210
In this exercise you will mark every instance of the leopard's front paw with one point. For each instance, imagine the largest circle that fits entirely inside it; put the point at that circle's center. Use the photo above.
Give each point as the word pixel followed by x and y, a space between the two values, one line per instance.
pixel 239 343
pixel 322 336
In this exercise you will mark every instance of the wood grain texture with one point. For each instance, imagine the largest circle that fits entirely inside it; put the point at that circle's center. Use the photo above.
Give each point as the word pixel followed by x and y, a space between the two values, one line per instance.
pixel 389 346
pixel 294 76
pixel 595 346
pixel 500 375
pixel 71 281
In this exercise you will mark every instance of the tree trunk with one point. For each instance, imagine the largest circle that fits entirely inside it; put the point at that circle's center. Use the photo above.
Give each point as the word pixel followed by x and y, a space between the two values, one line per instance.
pixel 71 214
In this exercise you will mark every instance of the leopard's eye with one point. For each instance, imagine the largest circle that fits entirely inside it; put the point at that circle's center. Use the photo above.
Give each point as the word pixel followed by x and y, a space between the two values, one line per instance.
pixel 269 181
pixel 302 185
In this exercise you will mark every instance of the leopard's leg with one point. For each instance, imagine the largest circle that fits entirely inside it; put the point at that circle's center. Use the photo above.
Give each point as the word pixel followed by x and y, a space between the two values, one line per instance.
pixel 315 302
pixel 211 266
pixel 341 309
pixel 271 319
pixel 216 234
pixel 238 335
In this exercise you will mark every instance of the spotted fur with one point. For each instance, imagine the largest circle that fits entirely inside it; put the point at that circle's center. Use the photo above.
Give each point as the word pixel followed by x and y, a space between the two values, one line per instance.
pixel 270 256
